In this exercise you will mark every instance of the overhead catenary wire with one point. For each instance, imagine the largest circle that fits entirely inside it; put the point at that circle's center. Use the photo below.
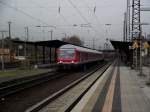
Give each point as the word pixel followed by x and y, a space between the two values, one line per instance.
pixel 93 12
pixel 41 21
pixel 59 13
pixel 81 15
pixel 78 11
pixel 26 14
pixel 46 9
pixel 23 12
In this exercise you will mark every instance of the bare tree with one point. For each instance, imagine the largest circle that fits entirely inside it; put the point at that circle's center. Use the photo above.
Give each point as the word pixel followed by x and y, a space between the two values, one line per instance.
pixel 74 40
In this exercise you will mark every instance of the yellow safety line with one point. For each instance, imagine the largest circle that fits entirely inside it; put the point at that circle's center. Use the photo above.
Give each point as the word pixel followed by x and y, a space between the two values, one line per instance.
pixel 109 98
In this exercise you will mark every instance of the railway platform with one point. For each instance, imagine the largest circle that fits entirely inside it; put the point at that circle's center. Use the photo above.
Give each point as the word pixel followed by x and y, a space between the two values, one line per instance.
pixel 119 90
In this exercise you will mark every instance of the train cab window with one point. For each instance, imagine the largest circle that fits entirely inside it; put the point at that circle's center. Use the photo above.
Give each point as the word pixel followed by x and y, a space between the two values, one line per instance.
pixel 67 53
pixel 78 56
pixel 70 53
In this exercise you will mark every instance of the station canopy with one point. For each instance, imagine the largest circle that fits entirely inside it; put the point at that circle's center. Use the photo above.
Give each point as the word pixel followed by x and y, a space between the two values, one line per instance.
pixel 48 43
pixel 121 45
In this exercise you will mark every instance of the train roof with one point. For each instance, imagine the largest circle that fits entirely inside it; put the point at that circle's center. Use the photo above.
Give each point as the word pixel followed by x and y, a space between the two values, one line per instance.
pixel 78 48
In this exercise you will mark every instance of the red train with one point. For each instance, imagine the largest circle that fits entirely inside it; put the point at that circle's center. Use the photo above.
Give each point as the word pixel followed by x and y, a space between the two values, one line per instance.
pixel 75 55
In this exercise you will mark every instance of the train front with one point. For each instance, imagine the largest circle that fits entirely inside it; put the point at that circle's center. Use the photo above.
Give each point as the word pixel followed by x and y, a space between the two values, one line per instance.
pixel 66 56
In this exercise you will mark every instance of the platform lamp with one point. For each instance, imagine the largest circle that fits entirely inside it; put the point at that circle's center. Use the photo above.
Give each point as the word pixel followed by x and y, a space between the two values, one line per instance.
pixel 2 56
pixel 107 25
pixel 65 35
pixel 48 26
pixel 87 25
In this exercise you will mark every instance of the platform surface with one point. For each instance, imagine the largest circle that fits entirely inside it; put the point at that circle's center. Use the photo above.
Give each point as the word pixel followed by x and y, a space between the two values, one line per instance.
pixel 123 91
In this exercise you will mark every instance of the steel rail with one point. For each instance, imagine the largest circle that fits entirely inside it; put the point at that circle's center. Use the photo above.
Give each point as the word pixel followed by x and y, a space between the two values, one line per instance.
pixel 23 83
pixel 54 96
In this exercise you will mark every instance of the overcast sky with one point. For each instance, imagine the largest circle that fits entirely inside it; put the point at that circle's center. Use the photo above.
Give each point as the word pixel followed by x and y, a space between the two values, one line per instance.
pixel 64 14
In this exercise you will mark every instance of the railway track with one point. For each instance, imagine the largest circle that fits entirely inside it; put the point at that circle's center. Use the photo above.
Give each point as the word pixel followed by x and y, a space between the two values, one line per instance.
pixel 13 86
pixel 29 95
pixel 55 101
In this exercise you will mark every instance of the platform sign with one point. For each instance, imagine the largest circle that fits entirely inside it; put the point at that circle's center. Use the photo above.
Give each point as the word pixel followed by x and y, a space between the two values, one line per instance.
pixel 135 44
pixel 146 45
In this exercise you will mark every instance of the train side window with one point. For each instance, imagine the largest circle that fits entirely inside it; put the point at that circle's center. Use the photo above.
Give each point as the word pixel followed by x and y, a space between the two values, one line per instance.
pixel 78 55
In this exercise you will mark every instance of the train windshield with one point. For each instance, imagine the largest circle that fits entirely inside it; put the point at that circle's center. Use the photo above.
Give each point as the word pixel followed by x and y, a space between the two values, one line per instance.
pixel 66 53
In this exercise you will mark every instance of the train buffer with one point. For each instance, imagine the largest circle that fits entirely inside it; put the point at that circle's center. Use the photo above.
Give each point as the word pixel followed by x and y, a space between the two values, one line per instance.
pixel 120 89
